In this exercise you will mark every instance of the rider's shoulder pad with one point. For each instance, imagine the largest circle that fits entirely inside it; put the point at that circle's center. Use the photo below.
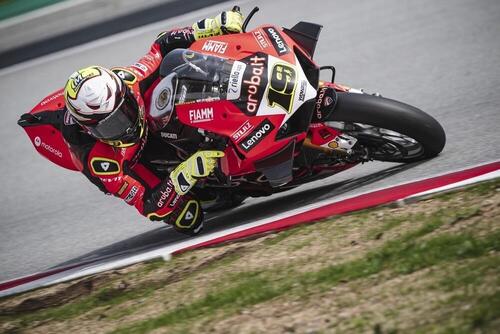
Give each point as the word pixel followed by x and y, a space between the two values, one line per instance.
pixel 125 74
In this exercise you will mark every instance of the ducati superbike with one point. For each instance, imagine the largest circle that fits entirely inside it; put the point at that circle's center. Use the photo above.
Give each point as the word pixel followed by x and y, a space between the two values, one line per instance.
pixel 258 97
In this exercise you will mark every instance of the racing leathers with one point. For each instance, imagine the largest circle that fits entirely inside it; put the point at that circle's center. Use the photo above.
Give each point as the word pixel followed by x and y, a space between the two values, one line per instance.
pixel 126 170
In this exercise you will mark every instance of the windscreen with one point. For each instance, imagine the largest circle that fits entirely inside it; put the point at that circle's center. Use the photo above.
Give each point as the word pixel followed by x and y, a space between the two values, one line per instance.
pixel 199 77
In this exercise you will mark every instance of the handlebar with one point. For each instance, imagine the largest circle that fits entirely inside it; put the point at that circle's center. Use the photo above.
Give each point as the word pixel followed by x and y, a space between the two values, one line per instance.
pixel 249 17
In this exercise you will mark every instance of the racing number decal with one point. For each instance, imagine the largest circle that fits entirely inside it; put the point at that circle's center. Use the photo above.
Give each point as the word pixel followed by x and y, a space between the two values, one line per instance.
pixel 282 87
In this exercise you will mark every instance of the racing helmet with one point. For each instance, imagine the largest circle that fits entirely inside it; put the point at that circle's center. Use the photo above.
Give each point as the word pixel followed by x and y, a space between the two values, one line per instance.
pixel 104 105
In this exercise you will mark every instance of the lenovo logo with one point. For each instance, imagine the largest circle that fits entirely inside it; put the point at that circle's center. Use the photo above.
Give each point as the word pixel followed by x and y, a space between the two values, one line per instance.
pixel 256 136
pixel 278 42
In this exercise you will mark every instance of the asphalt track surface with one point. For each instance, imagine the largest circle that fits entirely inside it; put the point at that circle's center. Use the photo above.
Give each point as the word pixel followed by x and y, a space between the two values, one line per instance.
pixel 442 56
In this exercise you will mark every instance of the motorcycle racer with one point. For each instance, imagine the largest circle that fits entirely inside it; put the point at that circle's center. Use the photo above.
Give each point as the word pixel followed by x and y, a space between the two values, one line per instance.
pixel 108 131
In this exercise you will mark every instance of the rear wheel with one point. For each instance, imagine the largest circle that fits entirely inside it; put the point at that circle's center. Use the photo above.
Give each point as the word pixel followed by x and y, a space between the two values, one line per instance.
pixel 387 130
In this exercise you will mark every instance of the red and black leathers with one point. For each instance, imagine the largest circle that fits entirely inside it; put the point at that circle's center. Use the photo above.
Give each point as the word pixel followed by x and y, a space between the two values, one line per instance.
pixel 126 172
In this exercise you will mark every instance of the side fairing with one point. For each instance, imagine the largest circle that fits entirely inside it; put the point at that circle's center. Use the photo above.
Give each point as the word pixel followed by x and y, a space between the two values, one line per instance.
pixel 42 125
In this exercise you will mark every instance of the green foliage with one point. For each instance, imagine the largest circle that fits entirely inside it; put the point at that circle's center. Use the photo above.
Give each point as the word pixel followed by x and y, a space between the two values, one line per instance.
pixel 251 290
pixel 427 240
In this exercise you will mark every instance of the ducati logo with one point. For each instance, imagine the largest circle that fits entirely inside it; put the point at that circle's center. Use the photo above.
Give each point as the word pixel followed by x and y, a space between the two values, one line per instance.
pixel 328 101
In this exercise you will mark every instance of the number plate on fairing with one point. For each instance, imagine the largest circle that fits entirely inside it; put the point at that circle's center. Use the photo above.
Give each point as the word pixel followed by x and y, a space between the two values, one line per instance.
pixel 286 91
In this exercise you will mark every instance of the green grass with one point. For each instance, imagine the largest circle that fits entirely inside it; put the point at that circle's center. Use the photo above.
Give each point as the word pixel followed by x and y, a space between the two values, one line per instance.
pixel 462 259
pixel 10 8
pixel 389 224
pixel 282 236
pixel 252 290
pixel 401 256
pixel 103 297
pixel 463 276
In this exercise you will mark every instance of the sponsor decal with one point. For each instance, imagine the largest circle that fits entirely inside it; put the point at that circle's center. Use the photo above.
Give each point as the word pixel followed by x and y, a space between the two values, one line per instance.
pixel 39 143
pixel 52 98
pixel 302 92
pixel 122 189
pixel 256 136
pixel 78 78
pixel 259 37
pixel 325 134
pixel 141 67
pixel 277 40
pixel 168 135
pixel 254 81
pixel 165 195
pixel 163 98
pixel 241 131
pixel 235 79
pixel 183 183
pixel 215 47
pixel 104 166
pixel 323 100
pixel 149 58
pixel 68 119
pixel 132 193
pixel 182 95
pixel 188 216
pixel 185 32
pixel 333 144
pixel 127 76
pixel 201 115
pixel 173 203
pixel 319 103
pixel 110 179
pixel 328 101
pixel 282 87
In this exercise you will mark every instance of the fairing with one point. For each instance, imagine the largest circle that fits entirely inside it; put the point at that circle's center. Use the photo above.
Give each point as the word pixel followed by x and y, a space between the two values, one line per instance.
pixel 42 127
pixel 245 87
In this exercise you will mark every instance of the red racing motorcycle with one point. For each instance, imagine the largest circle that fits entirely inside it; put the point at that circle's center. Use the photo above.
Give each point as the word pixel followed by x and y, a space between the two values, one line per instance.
pixel 258 97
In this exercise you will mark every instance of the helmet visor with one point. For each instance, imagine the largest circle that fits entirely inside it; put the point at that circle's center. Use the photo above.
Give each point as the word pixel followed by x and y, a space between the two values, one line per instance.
pixel 121 124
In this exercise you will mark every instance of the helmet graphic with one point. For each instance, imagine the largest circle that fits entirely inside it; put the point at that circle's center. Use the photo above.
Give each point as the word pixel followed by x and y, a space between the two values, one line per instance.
pixel 103 104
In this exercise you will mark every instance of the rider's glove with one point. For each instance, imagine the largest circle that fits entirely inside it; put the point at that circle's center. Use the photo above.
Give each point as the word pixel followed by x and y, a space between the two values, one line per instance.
pixel 197 166
pixel 229 22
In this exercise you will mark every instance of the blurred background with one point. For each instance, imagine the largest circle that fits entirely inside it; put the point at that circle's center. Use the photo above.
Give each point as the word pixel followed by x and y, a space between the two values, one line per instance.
pixel 442 57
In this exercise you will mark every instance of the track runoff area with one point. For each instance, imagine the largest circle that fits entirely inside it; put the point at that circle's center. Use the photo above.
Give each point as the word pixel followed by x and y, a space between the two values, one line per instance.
pixel 399 193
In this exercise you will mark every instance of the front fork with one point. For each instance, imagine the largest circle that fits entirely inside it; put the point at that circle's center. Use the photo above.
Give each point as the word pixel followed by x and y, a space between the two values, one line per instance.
pixel 320 136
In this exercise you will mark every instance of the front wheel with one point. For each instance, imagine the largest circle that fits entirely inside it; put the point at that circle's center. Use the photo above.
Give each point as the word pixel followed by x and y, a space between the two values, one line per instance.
pixel 387 129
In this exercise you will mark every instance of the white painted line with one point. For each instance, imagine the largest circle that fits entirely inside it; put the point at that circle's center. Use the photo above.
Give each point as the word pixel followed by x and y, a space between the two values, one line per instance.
pixel 166 252
pixel 480 178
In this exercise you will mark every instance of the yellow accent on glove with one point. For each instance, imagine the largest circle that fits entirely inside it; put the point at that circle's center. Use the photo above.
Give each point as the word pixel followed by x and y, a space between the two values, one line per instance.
pixel 197 166
pixel 228 22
